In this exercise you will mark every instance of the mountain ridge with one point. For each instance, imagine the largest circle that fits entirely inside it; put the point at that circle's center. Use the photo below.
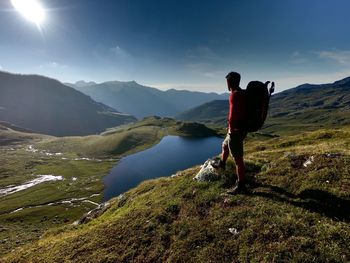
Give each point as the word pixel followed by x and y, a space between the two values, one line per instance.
pixel 305 106
pixel 142 101
pixel 47 106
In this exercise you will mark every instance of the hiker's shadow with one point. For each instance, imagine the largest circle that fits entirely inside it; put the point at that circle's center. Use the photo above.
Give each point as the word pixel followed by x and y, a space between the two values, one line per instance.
pixel 313 200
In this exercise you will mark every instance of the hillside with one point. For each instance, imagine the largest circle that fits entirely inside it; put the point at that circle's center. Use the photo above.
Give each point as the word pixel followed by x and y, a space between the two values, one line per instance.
pixel 142 101
pixel 309 105
pixel 47 106
pixel 306 107
pixel 77 163
pixel 214 112
pixel 297 210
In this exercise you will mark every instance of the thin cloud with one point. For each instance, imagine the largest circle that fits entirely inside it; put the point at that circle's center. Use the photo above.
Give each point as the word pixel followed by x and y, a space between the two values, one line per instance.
pixel 340 56
pixel 116 49
pixel 119 52
pixel 214 74
pixel 202 53
pixel 53 64
pixel 298 58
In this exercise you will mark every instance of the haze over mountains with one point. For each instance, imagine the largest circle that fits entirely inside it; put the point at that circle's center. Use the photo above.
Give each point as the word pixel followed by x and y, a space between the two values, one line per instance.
pixel 47 106
pixel 305 105
pixel 142 101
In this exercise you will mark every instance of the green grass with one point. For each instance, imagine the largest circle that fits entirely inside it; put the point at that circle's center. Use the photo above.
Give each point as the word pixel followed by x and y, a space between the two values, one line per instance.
pixel 126 139
pixel 291 214
pixel 18 165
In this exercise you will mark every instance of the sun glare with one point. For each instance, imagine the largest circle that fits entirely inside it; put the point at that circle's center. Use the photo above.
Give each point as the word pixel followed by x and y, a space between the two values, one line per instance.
pixel 30 9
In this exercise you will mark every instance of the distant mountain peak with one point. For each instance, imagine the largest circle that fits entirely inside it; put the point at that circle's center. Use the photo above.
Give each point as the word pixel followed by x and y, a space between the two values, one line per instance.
pixel 118 82
pixel 83 83
pixel 141 101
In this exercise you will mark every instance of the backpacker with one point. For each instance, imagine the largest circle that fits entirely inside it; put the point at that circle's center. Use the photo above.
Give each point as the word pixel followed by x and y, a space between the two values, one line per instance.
pixel 258 99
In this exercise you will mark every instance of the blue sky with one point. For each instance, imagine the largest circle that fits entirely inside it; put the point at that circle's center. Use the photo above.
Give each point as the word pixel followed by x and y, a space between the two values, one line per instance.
pixel 181 44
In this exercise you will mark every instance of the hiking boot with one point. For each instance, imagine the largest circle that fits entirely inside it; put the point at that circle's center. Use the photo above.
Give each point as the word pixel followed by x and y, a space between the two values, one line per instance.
pixel 219 164
pixel 239 188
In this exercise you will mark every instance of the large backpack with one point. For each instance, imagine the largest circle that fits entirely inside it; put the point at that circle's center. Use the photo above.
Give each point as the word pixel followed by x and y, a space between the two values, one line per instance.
pixel 258 98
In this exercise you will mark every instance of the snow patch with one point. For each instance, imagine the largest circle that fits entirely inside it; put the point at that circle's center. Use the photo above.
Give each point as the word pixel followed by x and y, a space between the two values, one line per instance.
pixel 41 179
pixel 91 202
pixel 31 148
pixel 69 202
pixel 17 210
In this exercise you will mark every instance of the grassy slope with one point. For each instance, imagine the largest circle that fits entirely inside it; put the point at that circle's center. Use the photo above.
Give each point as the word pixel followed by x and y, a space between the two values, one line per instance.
pixel 316 106
pixel 126 139
pixel 293 213
pixel 213 112
pixel 82 178
pixel 306 107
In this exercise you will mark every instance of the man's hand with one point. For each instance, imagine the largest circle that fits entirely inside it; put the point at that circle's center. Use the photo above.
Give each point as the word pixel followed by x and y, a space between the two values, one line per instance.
pixel 272 88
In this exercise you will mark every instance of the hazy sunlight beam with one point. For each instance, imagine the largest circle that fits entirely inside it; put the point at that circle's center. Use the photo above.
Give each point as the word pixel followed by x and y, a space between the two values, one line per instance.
pixel 31 10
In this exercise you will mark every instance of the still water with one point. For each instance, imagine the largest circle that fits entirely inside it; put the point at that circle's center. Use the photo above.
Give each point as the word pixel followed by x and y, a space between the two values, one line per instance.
pixel 171 154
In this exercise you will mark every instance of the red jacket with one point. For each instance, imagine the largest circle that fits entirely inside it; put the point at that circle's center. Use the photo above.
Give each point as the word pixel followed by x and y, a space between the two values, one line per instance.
pixel 238 112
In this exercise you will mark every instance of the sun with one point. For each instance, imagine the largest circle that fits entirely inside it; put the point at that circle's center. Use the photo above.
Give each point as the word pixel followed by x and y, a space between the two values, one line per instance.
pixel 31 10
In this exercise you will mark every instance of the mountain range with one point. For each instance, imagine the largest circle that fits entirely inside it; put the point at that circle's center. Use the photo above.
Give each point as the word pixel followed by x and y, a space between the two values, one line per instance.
pixel 47 106
pixel 297 201
pixel 306 106
pixel 141 101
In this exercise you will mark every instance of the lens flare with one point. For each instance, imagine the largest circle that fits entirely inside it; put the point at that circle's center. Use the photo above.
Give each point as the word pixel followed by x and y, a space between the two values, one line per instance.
pixel 30 9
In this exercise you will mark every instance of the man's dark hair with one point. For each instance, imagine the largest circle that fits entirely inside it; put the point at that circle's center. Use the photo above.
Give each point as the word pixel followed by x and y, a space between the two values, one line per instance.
pixel 233 79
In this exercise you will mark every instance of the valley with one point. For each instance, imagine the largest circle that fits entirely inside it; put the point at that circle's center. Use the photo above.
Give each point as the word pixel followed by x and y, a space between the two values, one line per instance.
pixel 298 170
pixel 297 209
pixel 47 181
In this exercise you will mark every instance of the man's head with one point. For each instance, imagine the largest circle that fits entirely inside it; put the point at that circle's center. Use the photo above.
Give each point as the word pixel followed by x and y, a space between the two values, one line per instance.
pixel 233 80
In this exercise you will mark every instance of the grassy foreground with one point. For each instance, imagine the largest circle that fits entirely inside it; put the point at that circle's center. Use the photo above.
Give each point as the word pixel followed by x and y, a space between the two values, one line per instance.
pixel 81 161
pixel 297 210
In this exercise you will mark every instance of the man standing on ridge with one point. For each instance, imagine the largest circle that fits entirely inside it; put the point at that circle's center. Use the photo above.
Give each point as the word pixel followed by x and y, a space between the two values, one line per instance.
pixel 236 132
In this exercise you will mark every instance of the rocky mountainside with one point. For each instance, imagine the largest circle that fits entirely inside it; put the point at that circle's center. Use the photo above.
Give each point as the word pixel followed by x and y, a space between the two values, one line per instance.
pixel 47 106
pixel 142 101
